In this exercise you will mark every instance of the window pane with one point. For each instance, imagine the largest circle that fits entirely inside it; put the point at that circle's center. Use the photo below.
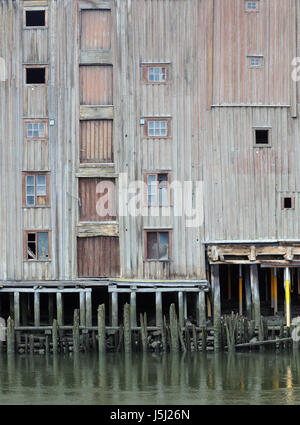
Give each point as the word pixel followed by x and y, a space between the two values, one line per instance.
pixel 42 245
pixel 152 252
pixel 163 245
pixel 30 190
pixel 30 180
pixel 30 201
pixel 163 189
pixel 152 189
pixel 31 246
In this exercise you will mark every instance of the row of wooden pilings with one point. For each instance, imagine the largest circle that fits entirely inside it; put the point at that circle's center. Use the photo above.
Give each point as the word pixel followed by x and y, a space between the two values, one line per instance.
pixel 235 332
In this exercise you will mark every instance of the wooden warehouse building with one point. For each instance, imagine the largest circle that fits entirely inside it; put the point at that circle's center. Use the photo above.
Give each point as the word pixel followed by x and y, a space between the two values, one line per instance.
pixel 98 93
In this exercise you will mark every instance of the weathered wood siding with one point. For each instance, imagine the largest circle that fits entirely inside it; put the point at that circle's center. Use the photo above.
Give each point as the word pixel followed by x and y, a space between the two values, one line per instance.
pixel 96 85
pixel 89 198
pixel 98 257
pixel 96 141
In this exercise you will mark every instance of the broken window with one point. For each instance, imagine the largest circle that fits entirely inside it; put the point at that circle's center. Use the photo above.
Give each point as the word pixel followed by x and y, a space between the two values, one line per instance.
pixel 36 190
pixel 37 246
pixel 35 18
pixel 158 246
pixel 157 127
pixel 158 189
pixel 36 75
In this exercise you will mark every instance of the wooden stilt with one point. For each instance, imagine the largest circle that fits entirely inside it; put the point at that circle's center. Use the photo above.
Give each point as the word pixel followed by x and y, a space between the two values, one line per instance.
pixel 101 329
pixel 54 337
pixel 272 288
pixel 88 305
pixel 114 309
pixel 185 313
pixel 248 292
pixel 17 308
pixel 287 278
pixel 11 305
pixel 215 277
pixel 174 346
pixel 133 308
pixel 59 308
pixel 127 329
pixel 76 343
pixel 255 293
pixel 143 320
pixel 10 341
pixel 82 308
pixel 181 309
pixel 36 309
pixel 201 313
pixel 240 290
pixel 275 292
pixel 158 308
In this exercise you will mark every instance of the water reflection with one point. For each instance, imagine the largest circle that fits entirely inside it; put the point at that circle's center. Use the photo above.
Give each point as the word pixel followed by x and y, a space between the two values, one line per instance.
pixel 254 378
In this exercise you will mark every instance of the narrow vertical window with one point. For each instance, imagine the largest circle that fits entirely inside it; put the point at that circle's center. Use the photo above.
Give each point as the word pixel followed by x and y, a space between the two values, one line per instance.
pixel 158 189
pixel 36 189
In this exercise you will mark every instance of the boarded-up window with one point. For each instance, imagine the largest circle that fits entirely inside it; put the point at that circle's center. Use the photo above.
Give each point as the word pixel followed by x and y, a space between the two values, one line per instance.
pixel 96 28
pixel 97 199
pixel 98 256
pixel 96 85
pixel 96 138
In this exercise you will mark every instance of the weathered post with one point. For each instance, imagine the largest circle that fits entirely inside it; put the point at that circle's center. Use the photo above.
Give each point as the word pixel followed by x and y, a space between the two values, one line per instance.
pixel 31 344
pixel 133 307
pixel 174 329
pixel 158 308
pixel 59 307
pixel 181 309
pixel 101 329
pixel 88 306
pixel 163 335
pixel 82 308
pixel 287 278
pixel 10 336
pixel 76 343
pixel 54 337
pixel 240 290
pixel 255 293
pixel 127 328
pixel 195 340
pixel 114 309
pixel 201 315
pixel 248 293
pixel 143 320
pixel 215 278
pixel 36 309
pixel 17 309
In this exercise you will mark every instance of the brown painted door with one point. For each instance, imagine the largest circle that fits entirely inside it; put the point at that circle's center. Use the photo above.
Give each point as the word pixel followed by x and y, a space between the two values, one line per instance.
pixel 98 256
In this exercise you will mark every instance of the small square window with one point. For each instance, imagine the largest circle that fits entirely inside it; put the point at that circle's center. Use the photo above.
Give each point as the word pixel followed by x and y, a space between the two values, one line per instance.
pixel 262 136
pixel 288 203
pixel 36 130
pixel 35 75
pixel 157 245
pixel 252 6
pixel 155 74
pixel 255 61
pixel 36 246
pixel 157 127
pixel 35 18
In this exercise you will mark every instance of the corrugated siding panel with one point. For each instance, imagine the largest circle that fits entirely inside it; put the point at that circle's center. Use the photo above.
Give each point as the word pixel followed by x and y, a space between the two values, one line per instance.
pixel 98 257
pixel 96 85
pixel 96 29
pixel 89 198
pixel 96 141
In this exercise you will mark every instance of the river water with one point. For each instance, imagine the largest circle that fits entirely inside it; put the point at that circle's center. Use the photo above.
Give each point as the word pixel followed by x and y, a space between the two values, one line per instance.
pixel 195 378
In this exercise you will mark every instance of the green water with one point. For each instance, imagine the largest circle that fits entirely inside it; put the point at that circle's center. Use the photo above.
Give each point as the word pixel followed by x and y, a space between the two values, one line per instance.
pixel 252 378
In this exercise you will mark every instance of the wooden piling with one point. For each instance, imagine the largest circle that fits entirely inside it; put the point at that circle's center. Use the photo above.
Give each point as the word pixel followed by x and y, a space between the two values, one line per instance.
pixel 127 329
pixel 17 309
pixel 121 338
pixel 164 335
pixel 248 293
pixel 287 296
pixel 50 307
pixel 181 309
pixel 82 308
pixel 88 307
pixel 203 339
pixel 143 320
pixel 173 329
pixel 195 340
pixel 158 308
pixel 54 336
pixel 240 290
pixel 114 309
pixel 183 345
pixel 215 278
pixel 275 292
pixel 36 309
pixel 133 308
pixel 101 329
pixel 47 345
pixel 75 333
pixel 10 340
pixel 59 307
pixel 201 314
pixel 31 344
pixel 255 293
pixel 187 339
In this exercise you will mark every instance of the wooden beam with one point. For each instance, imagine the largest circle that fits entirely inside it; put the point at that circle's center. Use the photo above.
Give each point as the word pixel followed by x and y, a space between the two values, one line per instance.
pixel 36 309
pixel 133 308
pixel 114 309
pixel 201 313
pixel 255 293
pixel 287 280
pixel 158 308
pixel 17 308
pixel 82 308
pixel 215 278
pixel 88 306
pixel 248 293
pixel 180 308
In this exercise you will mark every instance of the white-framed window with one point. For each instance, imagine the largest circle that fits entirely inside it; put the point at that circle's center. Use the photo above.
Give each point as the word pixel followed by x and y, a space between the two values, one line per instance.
pixel 157 128
pixel 157 74
pixel 252 6
pixel 35 130
pixel 255 61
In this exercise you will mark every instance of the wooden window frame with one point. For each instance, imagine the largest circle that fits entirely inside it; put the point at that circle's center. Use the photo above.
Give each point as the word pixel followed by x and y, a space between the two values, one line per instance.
pixel 156 173
pixel 146 121
pixel 145 73
pixel 35 121
pixel 146 231
pixel 25 243
pixel 45 84
pixel 29 9
pixel 36 173
pixel 292 202
pixel 262 145
pixel 260 57
pixel 252 10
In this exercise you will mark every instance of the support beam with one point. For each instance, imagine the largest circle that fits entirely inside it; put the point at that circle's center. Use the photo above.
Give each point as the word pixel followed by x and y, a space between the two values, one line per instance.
pixel 36 309
pixel 88 306
pixel 215 278
pixel 82 308
pixel 185 306
pixel 248 292
pixel 240 290
pixel 133 308
pixel 201 314
pixel 255 293
pixel 17 308
pixel 275 292
pixel 287 279
pixel 181 309
pixel 272 288
pixel 59 309
pixel 114 309
pixel 158 308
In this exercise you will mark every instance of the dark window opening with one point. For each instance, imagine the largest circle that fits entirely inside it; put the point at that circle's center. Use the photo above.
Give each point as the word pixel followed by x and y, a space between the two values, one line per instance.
pixel 35 18
pixel 262 137
pixel 158 246
pixel 287 203
pixel 35 75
